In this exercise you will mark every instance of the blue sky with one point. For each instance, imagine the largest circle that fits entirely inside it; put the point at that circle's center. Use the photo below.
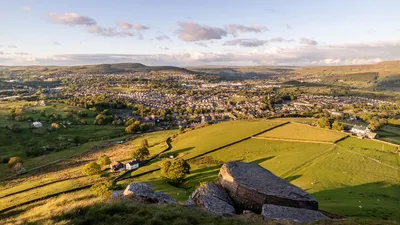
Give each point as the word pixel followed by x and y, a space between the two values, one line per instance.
pixel 182 33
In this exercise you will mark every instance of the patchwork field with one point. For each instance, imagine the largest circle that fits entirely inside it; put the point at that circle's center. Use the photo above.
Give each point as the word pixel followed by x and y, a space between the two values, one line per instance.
pixel 301 132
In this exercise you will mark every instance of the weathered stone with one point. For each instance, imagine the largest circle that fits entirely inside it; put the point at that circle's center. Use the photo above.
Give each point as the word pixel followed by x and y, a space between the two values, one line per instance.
pixel 289 213
pixel 144 193
pixel 189 202
pixel 117 194
pixel 214 199
pixel 250 186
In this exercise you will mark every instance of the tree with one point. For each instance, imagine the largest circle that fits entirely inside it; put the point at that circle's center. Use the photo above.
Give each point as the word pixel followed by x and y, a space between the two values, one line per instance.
pixel 91 168
pixel 323 123
pixel 103 160
pixel 175 170
pixel 140 153
pixel 145 144
pixel 13 161
pixel 336 125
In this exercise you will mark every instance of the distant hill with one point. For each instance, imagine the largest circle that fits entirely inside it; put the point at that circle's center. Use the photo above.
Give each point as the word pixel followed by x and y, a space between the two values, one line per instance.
pixel 240 72
pixel 89 69
pixel 383 75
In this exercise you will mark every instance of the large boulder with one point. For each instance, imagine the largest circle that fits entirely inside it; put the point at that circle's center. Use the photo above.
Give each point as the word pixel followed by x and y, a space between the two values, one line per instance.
pixel 250 186
pixel 144 193
pixel 214 199
pixel 289 213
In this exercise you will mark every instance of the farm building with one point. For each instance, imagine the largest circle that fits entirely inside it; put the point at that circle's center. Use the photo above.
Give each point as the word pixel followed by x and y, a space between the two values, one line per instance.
pixel 37 124
pixel 361 131
pixel 117 166
pixel 132 165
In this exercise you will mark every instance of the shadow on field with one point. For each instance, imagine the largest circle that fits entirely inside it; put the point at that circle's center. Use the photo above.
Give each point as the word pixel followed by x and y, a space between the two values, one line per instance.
pixel 179 151
pixel 372 200
pixel 259 161
pixel 292 178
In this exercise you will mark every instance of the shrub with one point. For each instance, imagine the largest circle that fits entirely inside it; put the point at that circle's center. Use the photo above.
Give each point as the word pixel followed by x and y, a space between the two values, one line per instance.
pixel 91 168
pixel 102 189
pixel 175 170
pixel 336 125
pixel 103 160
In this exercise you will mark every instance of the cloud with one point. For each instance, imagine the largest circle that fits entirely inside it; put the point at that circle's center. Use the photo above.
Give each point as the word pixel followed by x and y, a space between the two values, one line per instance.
pixel 289 27
pixel 202 44
pixel 307 41
pixel 163 37
pixel 190 31
pixel 22 53
pixel 1 53
pixel 164 48
pixel 12 46
pixel 56 43
pixel 27 8
pixel 246 42
pixel 108 32
pixel 140 27
pixel 71 19
pixel 355 53
pixel 126 26
pixel 234 29
pixel 280 39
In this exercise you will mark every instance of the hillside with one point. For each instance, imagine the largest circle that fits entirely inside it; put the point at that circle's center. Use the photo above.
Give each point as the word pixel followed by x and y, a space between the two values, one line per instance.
pixel 383 75
pixel 88 69
pixel 348 176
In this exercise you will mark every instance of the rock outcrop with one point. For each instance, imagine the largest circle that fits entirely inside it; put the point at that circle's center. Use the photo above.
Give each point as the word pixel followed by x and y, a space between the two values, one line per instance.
pixel 117 194
pixel 289 213
pixel 144 193
pixel 250 187
pixel 214 199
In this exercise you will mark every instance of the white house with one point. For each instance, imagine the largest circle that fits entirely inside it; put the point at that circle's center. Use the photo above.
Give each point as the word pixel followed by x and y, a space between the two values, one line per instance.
pixel 360 130
pixel 37 124
pixel 132 165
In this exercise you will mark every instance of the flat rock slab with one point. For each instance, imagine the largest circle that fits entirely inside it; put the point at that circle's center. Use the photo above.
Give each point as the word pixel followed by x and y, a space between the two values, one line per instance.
pixel 214 199
pixel 143 192
pixel 288 213
pixel 250 186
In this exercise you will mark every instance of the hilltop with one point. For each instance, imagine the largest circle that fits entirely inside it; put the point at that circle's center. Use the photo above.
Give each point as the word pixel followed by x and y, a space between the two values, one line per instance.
pixel 89 69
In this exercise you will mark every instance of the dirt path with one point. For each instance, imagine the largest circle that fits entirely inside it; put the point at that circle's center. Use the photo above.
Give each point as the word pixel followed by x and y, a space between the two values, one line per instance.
pixel 293 140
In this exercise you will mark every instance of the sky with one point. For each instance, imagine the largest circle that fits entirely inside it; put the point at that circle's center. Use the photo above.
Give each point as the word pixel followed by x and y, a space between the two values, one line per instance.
pixel 199 32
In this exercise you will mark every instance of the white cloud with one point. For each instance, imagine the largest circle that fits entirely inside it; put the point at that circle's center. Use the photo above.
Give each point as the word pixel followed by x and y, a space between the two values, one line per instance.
pixel 307 41
pixel 12 46
pixel 108 32
pixel 234 29
pixel 190 31
pixel 289 27
pixel 22 53
pixel 71 19
pixel 56 43
pixel 1 53
pixel 280 39
pixel 27 8
pixel 126 26
pixel 202 44
pixel 163 37
pixel 246 42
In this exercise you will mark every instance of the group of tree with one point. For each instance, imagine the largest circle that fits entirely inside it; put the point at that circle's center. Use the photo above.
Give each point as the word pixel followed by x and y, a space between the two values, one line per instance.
pixel 324 122
pixel 93 168
pixel 15 164
pixel 133 126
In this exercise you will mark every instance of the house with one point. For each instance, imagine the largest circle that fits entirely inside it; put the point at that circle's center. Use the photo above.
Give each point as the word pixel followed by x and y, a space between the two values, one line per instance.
pixel 37 124
pixel 132 165
pixel 361 131
pixel 117 166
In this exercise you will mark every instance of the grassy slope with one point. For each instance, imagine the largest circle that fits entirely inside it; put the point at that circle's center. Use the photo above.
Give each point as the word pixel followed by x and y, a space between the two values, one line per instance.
pixel 302 132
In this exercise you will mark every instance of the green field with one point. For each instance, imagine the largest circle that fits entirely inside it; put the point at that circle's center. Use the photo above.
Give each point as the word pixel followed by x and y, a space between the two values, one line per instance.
pixel 353 177
pixel 198 141
pixel 302 132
